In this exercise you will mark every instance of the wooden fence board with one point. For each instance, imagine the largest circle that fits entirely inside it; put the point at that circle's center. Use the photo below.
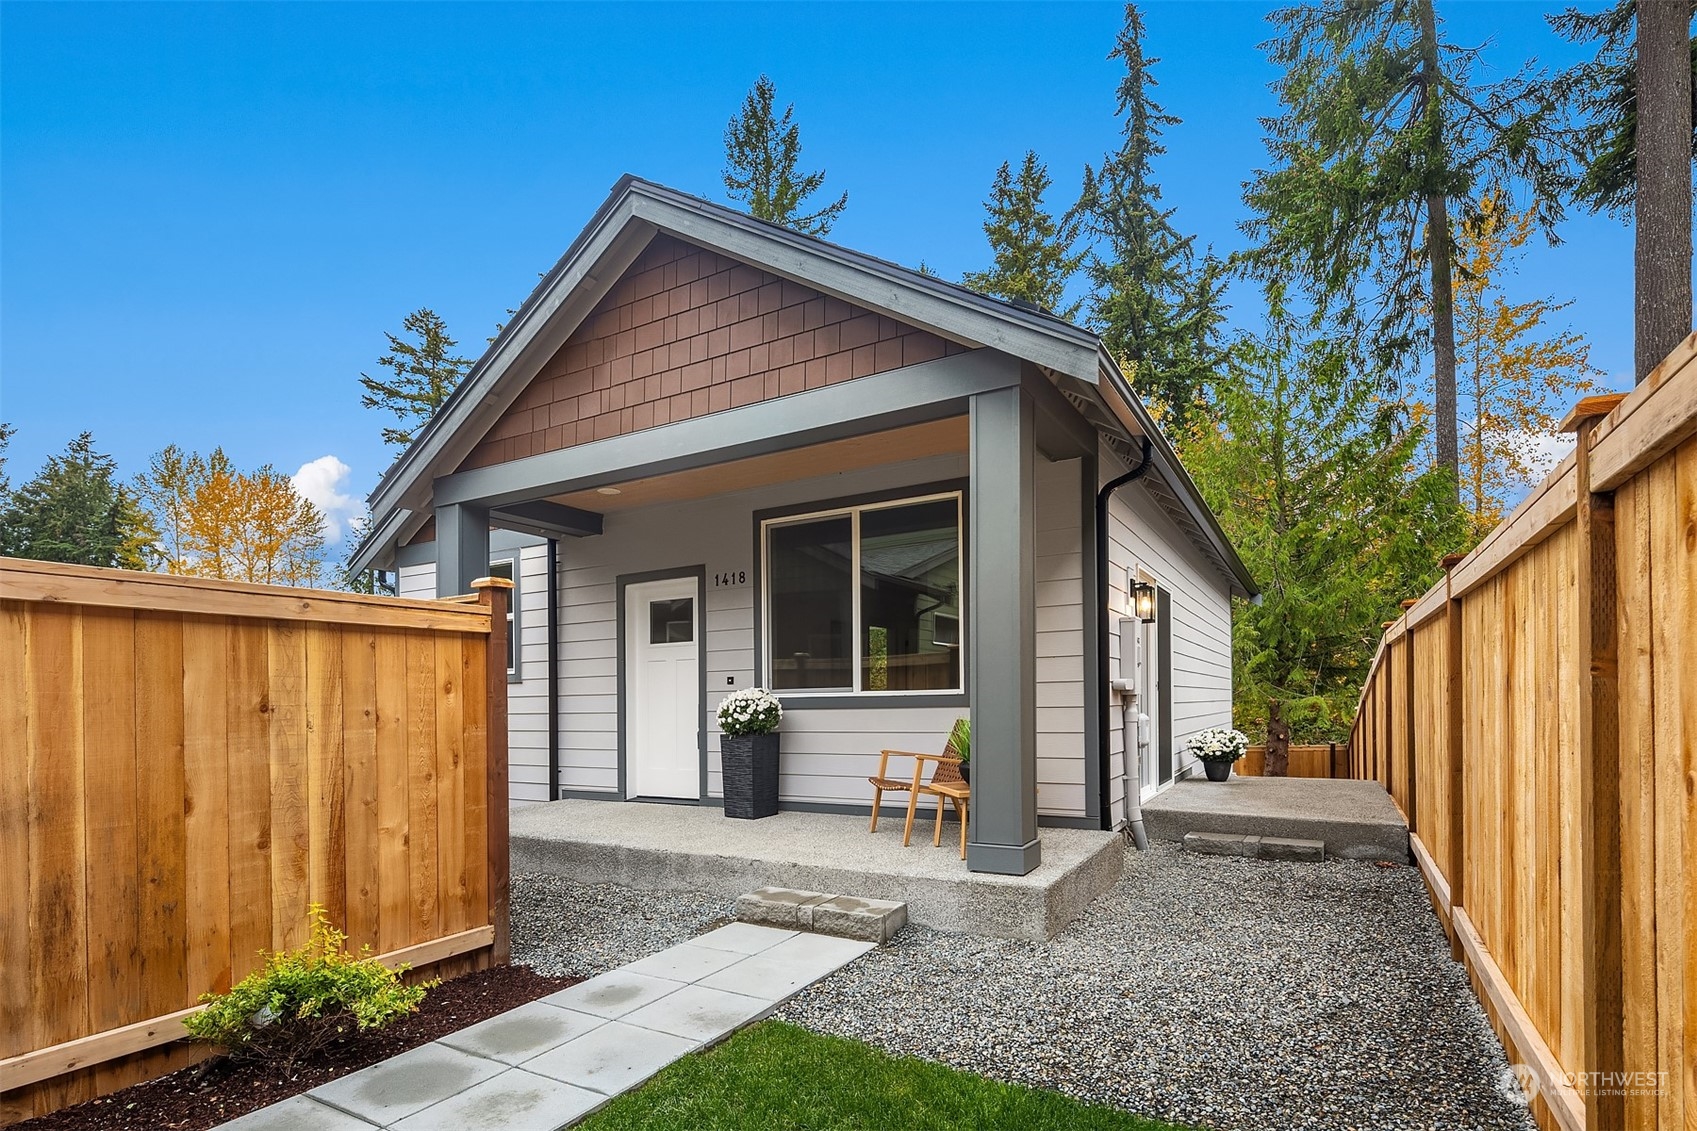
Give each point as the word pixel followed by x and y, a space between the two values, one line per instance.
pixel 177 786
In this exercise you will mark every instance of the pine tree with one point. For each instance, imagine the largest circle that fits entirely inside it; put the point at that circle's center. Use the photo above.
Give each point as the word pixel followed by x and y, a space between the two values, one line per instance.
pixel 426 371
pixel 1157 305
pixel 1318 483
pixel 1386 137
pixel 762 151
pixel 76 511
pixel 1516 377
pixel 1603 99
pixel 217 521
pixel 1033 252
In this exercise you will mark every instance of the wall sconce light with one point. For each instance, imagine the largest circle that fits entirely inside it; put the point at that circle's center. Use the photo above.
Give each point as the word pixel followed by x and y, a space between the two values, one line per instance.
pixel 1143 601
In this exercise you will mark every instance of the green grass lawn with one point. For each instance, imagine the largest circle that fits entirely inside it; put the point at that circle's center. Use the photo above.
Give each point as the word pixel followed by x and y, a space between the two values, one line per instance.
pixel 774 1075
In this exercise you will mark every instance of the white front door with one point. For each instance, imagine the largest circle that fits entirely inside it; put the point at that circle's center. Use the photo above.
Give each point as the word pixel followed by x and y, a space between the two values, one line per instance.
pixel 663 711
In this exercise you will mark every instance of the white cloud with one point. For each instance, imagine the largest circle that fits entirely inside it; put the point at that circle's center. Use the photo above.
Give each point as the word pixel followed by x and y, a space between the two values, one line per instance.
pixel 1543 450
pixel 323 481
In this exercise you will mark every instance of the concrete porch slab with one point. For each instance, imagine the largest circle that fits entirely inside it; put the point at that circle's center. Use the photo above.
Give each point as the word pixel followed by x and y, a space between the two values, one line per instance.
pixel 1355 819
pixel 695 847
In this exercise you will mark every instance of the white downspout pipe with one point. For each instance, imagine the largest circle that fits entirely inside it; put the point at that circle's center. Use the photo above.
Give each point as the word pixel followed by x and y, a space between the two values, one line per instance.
pixel 1132 779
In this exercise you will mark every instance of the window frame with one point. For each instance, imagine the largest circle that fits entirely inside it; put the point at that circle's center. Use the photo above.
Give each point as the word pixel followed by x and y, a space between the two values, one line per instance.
pixel 852 508
pixel 515 673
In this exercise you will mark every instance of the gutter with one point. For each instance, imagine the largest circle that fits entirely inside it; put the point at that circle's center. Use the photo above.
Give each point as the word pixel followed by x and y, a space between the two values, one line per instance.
pixel 1104 794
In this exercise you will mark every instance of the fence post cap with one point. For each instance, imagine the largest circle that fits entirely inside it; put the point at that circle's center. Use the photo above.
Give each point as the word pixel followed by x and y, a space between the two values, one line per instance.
pixel 492 583
pixel 1589 408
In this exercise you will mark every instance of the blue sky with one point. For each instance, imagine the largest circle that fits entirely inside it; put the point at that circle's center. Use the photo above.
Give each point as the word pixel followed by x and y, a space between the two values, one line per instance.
pixel 210 214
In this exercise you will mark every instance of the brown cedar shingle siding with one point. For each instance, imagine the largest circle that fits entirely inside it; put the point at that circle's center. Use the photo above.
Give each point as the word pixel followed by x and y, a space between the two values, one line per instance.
pixel 687 332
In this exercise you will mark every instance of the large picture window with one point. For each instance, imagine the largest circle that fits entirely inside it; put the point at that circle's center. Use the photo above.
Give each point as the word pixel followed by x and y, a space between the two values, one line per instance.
pixel 865 598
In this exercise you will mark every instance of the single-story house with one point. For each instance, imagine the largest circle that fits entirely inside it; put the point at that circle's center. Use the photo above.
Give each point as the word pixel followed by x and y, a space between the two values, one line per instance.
pixel 713 453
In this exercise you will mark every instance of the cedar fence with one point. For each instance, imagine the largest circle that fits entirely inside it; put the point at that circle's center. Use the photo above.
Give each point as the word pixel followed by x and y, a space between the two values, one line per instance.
pixel 1313 760
pixel 1535 717
pixel 186 765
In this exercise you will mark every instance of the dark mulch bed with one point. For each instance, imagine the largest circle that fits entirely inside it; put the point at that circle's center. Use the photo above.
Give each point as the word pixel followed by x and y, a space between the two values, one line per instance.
pixel 207 1094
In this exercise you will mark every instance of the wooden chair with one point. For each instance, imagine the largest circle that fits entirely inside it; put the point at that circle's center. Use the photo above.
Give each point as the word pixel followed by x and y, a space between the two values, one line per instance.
pixel 945 784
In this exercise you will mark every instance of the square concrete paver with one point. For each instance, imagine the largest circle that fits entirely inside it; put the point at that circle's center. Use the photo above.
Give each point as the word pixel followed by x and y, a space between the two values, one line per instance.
pixel 517 1035
pixel 782 970
pixel 685 962
pixel 611 1058
pixel 515 1100
pixel 404 1084
pixel 699 1013
pixel 614 993
pixel 299 1113
pixel 744 938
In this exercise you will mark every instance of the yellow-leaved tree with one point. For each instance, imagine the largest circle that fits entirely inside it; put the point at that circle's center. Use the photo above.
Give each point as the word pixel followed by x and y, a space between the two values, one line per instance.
pixel 1517 375
pixel 217 521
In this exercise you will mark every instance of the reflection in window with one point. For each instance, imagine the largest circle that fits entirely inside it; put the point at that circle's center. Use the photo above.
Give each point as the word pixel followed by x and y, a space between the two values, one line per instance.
pixel 866 600
pixel 910 597
pixel 810 604
pixel 671 621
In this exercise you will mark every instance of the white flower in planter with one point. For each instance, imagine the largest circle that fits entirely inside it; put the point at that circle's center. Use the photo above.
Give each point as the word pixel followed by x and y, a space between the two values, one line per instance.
pixel 1219 744
pixel 753 710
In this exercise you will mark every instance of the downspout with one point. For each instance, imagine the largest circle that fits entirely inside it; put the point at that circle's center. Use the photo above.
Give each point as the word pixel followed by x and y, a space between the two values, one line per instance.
pixel 553 670
pixel 1103 675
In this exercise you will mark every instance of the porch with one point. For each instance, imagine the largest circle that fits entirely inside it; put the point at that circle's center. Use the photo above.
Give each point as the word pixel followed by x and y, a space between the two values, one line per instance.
pixel 697 848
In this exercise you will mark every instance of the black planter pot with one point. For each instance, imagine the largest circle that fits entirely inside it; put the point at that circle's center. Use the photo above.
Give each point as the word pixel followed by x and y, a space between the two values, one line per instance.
pixel 750 764
pixel 1217 771
pixel 966 772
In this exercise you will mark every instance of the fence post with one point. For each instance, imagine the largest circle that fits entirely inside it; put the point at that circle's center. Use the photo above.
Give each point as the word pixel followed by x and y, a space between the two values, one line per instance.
pixel 1411 776
pixel 1599 773
pixel 1453 722
pixel 493 593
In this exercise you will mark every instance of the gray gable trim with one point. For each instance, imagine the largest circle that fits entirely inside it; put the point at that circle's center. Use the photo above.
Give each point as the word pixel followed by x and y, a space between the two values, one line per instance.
pixel 634 212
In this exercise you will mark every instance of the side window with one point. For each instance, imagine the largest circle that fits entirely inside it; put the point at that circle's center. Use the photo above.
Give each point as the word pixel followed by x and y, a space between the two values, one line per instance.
pixel 506 568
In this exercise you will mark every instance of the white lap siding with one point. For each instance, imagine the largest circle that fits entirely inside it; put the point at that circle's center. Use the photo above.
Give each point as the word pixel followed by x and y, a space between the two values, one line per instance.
pixel 1200 680
pixel 1061 606
pixel 527 699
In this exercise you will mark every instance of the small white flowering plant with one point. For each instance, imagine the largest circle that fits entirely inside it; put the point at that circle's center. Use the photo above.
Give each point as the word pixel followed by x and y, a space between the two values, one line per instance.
pixel 1219 744
pixel 753 710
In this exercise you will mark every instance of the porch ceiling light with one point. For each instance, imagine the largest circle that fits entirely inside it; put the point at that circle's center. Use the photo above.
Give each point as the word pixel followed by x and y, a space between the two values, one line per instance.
pixel 1143 601
pixel 606 490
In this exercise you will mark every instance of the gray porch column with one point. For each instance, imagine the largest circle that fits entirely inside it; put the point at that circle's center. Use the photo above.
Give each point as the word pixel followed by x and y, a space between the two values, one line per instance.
pixel 1002 636
pixel 462 547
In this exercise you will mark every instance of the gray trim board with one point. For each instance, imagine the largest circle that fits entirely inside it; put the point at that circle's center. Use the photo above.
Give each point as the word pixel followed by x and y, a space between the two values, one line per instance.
pixel 699 572
pixel 932 390
pixel 462 547
pixel 424 553
pixel 1164 675
pixel 546 520
pixel 1095 693
pixel 803 701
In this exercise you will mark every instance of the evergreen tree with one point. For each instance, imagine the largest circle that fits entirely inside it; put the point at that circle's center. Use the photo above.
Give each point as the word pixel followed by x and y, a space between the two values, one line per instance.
pixel 762 151
pixel 1314 477
pixel 1032 250
pixel 1156 304
pixel 76 511
pixel 1613 154
pixel 426 371
pixel 1386 136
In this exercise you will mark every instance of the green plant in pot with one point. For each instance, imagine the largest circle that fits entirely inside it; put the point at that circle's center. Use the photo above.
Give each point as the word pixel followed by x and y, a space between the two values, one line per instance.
pixel 960 741
pixel 748 752
pixel 1218 748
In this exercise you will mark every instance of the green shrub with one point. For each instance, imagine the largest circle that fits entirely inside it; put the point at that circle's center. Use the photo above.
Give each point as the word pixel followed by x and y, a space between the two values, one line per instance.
pixel 303 1000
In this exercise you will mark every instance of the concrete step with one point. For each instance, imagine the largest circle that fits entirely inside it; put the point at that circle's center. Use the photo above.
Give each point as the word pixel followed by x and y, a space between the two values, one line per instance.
pixel 1259 847
pixel 872 920
pixel 1355 820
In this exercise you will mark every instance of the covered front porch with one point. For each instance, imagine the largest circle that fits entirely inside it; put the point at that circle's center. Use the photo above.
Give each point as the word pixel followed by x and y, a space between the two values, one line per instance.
pixel 697 848
pixel 687 523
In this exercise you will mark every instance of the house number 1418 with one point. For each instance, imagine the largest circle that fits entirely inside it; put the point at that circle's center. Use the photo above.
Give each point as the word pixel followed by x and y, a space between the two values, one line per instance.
pixel 730 579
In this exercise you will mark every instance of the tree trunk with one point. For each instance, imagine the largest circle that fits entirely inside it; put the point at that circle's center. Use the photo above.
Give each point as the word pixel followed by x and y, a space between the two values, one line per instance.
pixel 1277 762
pixel 1439 249
pixel 1662 256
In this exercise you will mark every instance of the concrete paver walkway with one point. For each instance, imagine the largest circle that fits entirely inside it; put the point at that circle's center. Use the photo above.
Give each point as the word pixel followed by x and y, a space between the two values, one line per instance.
pixel 545 1065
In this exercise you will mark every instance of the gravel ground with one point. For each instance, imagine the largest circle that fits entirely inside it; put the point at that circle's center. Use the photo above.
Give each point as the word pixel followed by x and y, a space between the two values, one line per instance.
pixel 576 930
pixel 1231 994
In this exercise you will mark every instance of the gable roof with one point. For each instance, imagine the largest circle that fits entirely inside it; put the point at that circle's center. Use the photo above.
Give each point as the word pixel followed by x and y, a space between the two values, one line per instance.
pixel 636 210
